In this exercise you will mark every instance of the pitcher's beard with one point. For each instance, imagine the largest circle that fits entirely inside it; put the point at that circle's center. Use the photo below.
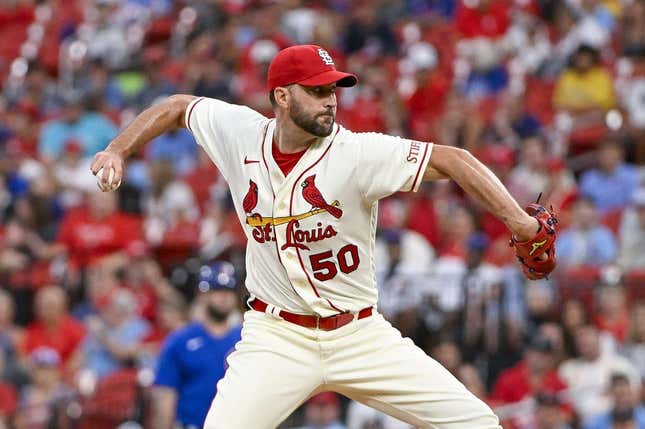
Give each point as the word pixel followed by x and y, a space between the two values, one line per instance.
pixel 308 123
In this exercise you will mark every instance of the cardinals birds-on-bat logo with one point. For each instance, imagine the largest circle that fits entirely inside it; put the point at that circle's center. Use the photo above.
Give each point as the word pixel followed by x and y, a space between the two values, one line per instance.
pixel 313 196
pixel 251 200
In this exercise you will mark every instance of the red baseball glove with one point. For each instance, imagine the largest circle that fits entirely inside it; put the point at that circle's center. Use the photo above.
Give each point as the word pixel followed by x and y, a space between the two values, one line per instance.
pixel 537 255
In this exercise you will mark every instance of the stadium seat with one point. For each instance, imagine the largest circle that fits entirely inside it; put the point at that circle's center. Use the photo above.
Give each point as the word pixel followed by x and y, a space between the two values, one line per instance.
pixel 113 402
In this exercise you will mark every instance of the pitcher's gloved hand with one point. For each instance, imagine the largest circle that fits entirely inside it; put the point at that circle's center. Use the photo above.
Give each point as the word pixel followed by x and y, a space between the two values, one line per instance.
pixel 537 255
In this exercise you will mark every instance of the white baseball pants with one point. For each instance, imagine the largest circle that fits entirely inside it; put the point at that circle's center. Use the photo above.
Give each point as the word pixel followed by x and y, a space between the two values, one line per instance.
pixel 278 365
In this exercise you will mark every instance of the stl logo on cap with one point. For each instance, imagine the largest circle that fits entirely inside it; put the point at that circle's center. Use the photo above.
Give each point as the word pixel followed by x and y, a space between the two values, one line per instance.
pixel 325 57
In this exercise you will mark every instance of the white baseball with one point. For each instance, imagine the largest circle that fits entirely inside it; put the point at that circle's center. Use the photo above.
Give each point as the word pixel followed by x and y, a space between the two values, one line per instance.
pixel 111 186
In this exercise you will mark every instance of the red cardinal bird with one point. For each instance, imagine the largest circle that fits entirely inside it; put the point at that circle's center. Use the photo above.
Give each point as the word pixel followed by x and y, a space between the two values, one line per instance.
pixel 251 198
pixel 314 197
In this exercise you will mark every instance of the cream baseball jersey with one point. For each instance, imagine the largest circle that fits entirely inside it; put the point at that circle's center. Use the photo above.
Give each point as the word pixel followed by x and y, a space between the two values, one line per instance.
pixel 310 234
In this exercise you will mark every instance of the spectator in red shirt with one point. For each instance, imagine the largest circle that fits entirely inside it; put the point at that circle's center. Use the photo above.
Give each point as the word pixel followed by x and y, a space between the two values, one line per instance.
pixel 612 313
pixel 252 89
pixel 97 229
pixel 8 398
pixel 53 327
pixel 487 18
pixel 422 215
pixel 535 373
pixel 426 103
pixel 368 107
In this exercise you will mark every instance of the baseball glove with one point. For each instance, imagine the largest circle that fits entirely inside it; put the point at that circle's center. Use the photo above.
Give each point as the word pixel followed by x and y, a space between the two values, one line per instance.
pixel 537 255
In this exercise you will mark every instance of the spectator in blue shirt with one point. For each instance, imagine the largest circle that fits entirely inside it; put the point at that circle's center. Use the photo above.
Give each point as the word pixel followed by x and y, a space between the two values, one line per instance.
pixel 193 359
pixel 613 183
pixel 115 336
pixel 586 242
pixel 177 147
pixel 80 122
pixel 625 413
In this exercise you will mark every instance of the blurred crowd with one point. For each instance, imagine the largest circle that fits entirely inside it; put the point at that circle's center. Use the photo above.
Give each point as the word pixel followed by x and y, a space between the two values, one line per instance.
pixel 550 94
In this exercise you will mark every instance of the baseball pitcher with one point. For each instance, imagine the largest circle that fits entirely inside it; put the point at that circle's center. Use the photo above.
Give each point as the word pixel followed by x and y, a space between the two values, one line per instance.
pixel 306 190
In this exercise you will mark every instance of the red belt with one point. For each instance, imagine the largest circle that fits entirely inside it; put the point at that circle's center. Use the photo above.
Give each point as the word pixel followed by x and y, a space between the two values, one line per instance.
pixel 308 321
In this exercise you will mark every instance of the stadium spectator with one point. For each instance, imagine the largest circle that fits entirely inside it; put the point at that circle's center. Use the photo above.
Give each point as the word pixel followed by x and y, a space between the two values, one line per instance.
pixel 585 242
pixel 429 91
pixel 573 315
pixel 471 378
pixel 170 317
pixel 156 86
pixel 193 358
pixel 485 18
pixel 100 282
pixel 11 337
pixel 71 174
pixel 8 398
pixel 46 396
pixel 368 33
pixel 205 181
pixel 21 128
pixel 105 33
pixel 176 147
pixel 487 77
pixel 612 185
pixel 323 412
pixel 561 189
pixel 586 92
pixel 448 355
pixel 24 253
pixel 422 215
pixel 535 374
pixel 632 234
pixel 549 413
pixel 588 375
pixel 626 412
pixel 79 121
pixel 512 122
pixel 114 336
pixel 98 82
pixel 169 202
pixel 216 234
pixel 203 74
pixel 38 91
pixel 530 176
pixel 612 315
pixel 252 88
pixel 633 36
pixel 634 346
pixel 482 301
pixel 404 257
pixel 555 334
pixel 53 327
pixel 96 229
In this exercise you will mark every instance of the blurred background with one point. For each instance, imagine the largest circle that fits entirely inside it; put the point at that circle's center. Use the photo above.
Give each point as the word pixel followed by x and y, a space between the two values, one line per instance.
pixel 549 94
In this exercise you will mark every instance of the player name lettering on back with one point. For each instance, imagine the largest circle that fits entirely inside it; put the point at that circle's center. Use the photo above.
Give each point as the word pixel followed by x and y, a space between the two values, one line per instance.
pixel 413 153
pixel 295 236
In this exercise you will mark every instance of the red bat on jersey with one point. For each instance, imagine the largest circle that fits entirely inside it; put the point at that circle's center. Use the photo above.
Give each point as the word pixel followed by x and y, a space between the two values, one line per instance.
pixel 251 198
pixel 313 196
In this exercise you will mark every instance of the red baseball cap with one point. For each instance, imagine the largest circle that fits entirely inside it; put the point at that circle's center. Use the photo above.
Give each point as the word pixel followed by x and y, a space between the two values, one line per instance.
pixel 307 65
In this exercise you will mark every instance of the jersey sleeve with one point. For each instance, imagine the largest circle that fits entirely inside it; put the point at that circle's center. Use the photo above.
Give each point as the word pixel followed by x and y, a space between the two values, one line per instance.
pixel 388 164
pixel 221 128
pixel 167 373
